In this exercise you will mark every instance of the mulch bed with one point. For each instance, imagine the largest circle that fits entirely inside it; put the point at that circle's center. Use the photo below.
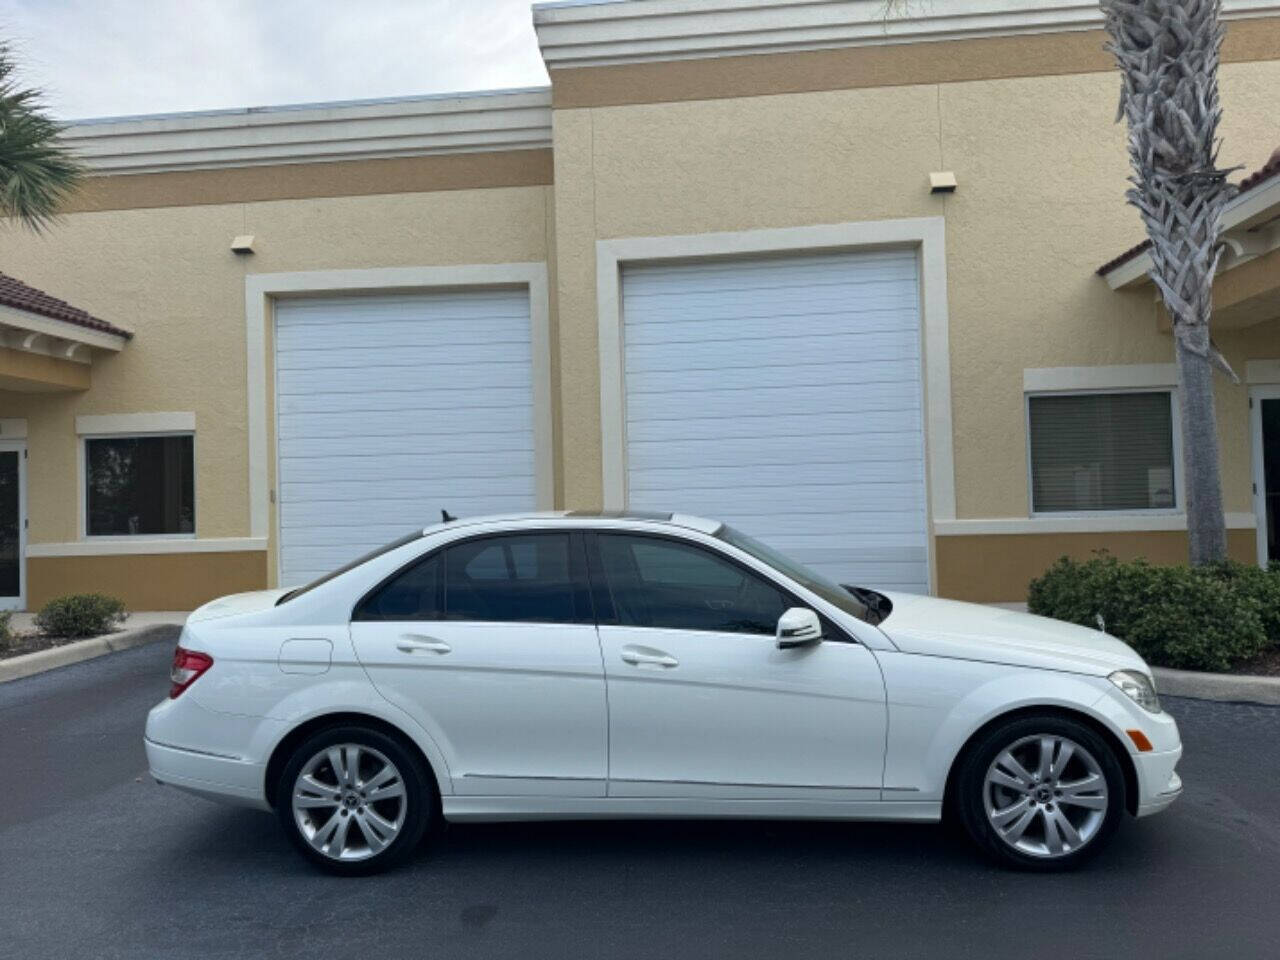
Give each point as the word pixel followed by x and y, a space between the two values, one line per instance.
pixel 21 643
pixel 1267 665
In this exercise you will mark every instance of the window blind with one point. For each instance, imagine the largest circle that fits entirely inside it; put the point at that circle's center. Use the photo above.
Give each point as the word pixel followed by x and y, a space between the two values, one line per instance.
pixel 1102 451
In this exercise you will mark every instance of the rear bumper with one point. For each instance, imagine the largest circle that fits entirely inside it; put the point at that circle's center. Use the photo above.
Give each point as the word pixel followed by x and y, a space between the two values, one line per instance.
pixel 215 777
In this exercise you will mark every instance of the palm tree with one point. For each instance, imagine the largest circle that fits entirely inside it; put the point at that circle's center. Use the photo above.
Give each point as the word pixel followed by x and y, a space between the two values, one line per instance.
pixel 36 170
pixel 1167 52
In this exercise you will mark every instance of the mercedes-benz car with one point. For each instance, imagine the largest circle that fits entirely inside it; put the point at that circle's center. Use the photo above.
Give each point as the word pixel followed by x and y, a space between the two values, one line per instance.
pixel 566 666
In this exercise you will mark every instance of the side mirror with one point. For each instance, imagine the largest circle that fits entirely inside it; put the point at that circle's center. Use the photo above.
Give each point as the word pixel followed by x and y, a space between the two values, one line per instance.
pixel 798 627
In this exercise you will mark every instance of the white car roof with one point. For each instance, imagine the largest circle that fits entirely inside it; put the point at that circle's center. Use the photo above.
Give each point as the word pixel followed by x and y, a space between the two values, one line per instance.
pixel 689 522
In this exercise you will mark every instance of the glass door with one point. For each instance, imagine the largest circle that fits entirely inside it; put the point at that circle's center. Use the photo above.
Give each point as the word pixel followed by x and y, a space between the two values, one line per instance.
pixel 12 532
pixel 1266 471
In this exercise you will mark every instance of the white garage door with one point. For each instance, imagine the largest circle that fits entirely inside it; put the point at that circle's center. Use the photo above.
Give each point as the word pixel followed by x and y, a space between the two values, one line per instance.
pixel 783 396
pixel 389 409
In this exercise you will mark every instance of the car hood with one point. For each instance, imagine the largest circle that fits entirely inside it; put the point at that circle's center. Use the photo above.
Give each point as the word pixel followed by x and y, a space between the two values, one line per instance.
pixel 237 603
pixel 969 631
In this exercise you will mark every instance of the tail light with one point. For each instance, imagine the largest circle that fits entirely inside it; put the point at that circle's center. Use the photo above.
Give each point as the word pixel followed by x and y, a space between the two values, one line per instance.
pixel 188 666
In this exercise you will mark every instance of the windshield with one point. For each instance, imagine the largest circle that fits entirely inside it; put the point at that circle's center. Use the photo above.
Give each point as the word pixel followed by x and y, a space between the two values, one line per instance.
pixel 828 590
pixel 385 548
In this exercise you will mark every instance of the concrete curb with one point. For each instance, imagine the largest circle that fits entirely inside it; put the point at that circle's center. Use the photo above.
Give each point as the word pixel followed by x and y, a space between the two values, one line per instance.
pixel 1227 687
pixel 15 668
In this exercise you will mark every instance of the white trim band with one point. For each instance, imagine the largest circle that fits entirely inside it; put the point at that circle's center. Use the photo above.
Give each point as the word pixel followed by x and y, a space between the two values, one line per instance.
pixel 577 34
pixel 143 545
pixel 400 127
pixel 136 423
pixel 1122 377
pixel 1119 523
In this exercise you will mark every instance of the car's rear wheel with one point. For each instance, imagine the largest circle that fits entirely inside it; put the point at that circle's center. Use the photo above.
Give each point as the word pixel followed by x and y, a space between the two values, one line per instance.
pixel 1040 793
pixel 354 800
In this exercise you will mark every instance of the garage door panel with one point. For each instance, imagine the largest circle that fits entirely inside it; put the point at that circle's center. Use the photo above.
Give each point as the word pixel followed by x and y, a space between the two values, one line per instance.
pixel 391 444
pixel 784 396
pixel 774 375
pixel 748 304
pixel 819 457
pixel 390 510
pixel 375 467
pixel 746 330
pixel 389 409
pixel 799 498
pixel 800 350
pixel 409 490
pixel 431 359
pixel 666 481
pixel 470 400
pixel 813 401
pixel 764 426
pixel 426 379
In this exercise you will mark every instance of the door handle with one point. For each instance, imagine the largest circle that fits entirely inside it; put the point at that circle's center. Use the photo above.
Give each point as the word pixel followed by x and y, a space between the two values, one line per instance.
pixel 412 643
pixel 641 656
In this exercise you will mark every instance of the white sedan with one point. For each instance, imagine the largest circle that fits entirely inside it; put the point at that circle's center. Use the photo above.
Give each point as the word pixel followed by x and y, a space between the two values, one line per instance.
pixel 572 666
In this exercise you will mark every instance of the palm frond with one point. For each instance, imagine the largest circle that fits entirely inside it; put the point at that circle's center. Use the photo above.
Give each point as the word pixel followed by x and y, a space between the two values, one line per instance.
pixel 37 172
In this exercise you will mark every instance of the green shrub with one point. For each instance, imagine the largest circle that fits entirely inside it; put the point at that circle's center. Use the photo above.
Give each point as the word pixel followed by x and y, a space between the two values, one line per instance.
pixel 1194 618
pixel 80 615
pixel 6 634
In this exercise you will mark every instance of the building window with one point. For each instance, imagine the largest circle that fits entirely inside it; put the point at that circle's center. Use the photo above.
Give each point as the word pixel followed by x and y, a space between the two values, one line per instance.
pixel 140 486
pixel 1102 451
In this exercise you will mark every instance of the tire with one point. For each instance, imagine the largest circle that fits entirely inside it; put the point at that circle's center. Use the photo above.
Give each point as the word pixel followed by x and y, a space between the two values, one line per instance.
pixel 1035 813
pixel 359 818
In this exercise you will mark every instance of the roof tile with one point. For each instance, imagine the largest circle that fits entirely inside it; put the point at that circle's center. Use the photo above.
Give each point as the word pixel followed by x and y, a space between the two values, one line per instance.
pixel 14 293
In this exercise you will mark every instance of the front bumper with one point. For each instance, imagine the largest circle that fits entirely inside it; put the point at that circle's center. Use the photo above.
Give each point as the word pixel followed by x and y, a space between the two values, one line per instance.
pixel 1159 783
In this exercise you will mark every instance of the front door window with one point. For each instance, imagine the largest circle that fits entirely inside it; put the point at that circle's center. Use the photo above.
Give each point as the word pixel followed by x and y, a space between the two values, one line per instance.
pixel 1270 493
pixel 10 525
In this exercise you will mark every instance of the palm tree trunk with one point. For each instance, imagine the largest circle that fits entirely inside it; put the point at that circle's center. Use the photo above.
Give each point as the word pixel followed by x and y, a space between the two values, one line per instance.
pixel 1206 521
pixel 1167 52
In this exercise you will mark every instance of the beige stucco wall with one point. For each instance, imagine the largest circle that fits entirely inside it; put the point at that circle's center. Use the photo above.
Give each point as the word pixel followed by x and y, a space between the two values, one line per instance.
pixel 1042 169
pixel 168 273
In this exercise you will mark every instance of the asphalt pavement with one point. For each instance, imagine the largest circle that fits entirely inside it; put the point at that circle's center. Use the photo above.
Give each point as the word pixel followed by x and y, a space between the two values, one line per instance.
pixel 97 861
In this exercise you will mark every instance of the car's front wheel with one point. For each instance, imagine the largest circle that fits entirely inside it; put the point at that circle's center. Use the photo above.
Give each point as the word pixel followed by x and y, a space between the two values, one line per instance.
pixel 354 800
pixel 1040 793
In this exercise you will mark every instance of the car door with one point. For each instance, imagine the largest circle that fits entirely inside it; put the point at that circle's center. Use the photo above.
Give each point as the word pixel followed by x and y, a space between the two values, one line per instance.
pixel 490 644
pixel 703 703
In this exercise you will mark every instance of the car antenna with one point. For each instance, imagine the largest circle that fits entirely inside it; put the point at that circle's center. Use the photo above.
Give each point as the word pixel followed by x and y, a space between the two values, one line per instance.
pixel 446 518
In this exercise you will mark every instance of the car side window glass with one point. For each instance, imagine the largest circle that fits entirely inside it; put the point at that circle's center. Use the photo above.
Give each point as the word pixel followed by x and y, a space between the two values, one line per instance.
pixel 664 584
pixel 510 579
pixel 412 594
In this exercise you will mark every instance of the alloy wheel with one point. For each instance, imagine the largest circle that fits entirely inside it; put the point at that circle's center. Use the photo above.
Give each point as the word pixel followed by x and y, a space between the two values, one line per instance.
pixel 349 802
pixel 1045 796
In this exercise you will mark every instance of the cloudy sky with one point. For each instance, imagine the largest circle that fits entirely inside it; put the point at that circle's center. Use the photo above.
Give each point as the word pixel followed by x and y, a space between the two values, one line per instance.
pixel 99 58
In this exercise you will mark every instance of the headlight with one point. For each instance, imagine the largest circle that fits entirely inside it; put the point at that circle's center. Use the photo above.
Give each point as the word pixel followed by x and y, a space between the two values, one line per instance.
pixel 1138 687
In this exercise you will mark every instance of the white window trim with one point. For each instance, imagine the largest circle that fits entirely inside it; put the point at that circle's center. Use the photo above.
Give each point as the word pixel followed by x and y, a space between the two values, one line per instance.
pixel 1175 421
pixel 925 234
pixel 124 424
pixel 1099 379
pixel 144 544
pixel 82 478
pixel 261 290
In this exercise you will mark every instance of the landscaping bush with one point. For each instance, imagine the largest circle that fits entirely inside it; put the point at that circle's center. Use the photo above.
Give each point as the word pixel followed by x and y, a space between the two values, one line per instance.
pixel 80 615
pixel 6 634
pixel 1194 618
